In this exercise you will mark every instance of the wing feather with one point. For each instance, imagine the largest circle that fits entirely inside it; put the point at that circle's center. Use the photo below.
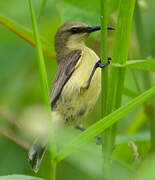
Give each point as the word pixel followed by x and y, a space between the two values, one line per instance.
pixel 64 73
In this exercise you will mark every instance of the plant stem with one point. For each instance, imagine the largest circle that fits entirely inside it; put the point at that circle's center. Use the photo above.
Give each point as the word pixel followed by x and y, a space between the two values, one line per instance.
pixel 53 171
pixel 104 82
pixel 104 20
pixel 44 85
pixel 115 85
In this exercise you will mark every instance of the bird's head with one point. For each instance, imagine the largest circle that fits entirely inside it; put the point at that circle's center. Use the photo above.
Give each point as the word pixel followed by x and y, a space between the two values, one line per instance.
pixel 71 35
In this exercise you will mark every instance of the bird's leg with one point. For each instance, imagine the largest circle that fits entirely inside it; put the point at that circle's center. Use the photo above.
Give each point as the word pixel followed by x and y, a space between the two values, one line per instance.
pixel 99 139
pixel 98 64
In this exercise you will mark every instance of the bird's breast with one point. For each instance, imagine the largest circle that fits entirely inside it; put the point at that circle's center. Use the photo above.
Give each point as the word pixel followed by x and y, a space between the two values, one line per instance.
pixel 75 89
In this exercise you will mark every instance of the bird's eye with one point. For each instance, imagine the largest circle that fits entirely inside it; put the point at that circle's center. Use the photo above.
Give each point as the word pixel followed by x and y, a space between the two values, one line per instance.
pixel 75 30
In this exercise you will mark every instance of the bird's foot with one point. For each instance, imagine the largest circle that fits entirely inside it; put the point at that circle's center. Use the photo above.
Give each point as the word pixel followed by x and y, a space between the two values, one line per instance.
pixel 98 64
pixel 98 138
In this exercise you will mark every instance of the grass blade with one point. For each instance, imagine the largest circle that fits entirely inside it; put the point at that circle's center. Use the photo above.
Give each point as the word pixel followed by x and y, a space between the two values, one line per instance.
pixel 104 21
pixel 104 82
pixel 44 83
pixel 115 85
pixel 105 123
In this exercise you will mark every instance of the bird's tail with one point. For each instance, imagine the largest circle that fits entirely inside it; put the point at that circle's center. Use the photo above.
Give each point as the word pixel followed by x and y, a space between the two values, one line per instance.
pixel 36 154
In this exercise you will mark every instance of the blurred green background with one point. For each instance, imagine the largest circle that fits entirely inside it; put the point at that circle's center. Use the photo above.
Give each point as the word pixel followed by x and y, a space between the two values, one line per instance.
pixel 20 92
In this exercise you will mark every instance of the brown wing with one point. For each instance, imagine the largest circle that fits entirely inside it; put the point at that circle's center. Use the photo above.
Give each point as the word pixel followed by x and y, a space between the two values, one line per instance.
pixel 64 73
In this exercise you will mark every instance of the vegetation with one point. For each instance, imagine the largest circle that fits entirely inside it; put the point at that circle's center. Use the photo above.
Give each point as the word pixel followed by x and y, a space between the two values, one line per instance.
pixel 128 89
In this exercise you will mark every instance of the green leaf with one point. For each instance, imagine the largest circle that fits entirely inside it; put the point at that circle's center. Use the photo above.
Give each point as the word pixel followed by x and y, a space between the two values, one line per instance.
pixel 105 123
pixel 19 177
pixel 26 34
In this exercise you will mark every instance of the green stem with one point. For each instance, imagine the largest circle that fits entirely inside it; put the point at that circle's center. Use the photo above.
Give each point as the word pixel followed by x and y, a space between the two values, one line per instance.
pixel 41 64
pixel 44 83
pixel 104 20
pixel 104 82
pixel 115 86
pixel 53 171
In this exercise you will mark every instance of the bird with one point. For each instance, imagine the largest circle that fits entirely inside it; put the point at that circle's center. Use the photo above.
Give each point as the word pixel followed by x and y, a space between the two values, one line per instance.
pixel 77 83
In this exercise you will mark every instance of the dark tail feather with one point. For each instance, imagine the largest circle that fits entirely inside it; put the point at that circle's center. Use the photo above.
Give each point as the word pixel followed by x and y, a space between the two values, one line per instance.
pixel 36 154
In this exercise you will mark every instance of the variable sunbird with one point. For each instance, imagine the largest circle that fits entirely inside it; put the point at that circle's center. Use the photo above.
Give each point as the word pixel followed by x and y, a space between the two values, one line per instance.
pixel 77 84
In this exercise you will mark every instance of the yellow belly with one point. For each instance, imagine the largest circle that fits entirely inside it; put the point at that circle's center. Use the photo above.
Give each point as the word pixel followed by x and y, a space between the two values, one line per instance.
pixel 76 101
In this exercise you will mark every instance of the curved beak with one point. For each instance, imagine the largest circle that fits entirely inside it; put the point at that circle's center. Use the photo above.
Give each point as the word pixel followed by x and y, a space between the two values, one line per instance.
pixel 97 28
pixel 93 28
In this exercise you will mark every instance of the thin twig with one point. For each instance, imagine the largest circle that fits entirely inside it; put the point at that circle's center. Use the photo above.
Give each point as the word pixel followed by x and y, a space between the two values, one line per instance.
pixel 13 137
pixel 5 114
